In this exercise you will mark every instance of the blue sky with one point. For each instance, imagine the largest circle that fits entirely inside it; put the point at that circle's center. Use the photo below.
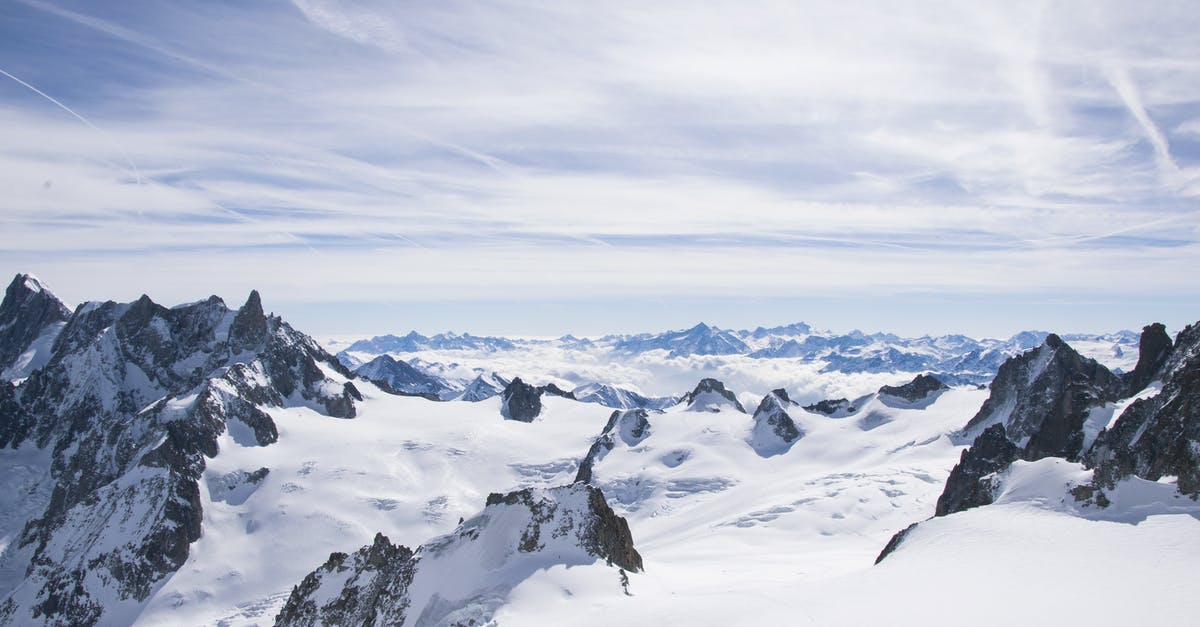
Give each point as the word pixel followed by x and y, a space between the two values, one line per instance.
pixel 514 167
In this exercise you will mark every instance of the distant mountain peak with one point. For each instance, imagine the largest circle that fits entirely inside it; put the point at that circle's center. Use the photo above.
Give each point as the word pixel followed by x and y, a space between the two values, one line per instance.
pixel 710 395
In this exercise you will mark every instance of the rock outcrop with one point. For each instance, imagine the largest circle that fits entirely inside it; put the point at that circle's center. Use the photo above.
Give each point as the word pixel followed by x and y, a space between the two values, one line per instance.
pixel 452 580
pixel 1154 348
pixel 710 395
pixel 1158 436
pixel 520 401
pixel 968 485
pixel 922 390
pixel 774 431
pixel 832 407
pixel 630 426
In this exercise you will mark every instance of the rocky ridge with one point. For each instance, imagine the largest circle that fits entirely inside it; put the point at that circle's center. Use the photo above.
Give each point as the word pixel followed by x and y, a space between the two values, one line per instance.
pixel 128 407
pixel 445 581
pixel 1041 405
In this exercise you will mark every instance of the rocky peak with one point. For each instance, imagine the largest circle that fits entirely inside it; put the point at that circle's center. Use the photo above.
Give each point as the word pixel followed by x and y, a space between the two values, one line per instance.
pixel 1043 397
pixel 526 531
pixel 1154 348
pixel 967 485
pixel 131 404
pixel 520 401
pixel 832 407
pixel 29 312
pixel 249 327
pixel 774 430
pixel 711 395
pixel 631 426
pixel 1158 436
pixel 915 391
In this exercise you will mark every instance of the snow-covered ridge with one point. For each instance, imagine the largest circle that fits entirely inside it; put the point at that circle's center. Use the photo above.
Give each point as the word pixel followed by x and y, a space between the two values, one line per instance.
pixel 464 577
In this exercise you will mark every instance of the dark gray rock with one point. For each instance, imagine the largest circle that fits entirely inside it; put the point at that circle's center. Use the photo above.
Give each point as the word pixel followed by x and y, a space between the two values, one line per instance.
pixel 553 390
pixel 915 391
pixel 774 430
pixel 630 426
pixel 520 401
pixel 829 407
pixel 895 542
pixel 968 485
pixel 1043 396
pixel 375 592
pixel 1154 348
pixel 1158 436
pixel 709 388
pixel 28 311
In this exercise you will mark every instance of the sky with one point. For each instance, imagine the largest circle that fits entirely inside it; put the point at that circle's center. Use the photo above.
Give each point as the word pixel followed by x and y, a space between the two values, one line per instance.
pixel 542 168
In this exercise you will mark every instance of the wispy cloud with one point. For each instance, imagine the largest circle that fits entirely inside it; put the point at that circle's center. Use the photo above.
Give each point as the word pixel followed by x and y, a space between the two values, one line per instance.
pixel 453 150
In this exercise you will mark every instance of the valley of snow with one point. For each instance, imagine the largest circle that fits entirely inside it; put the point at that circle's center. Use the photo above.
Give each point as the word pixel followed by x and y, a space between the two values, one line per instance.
pixel 727 536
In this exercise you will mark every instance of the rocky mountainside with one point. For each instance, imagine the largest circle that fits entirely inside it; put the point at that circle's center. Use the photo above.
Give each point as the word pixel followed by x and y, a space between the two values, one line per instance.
pixel 710 395
pixel 30 319
pixel 774 430
pixel 1052 403
pixel 1158 436
pixel 462 578
pixel 125 412
pixel 1043 397
pixel 400 377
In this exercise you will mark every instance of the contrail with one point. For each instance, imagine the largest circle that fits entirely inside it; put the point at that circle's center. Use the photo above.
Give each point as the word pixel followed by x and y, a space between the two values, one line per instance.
pixel 136 173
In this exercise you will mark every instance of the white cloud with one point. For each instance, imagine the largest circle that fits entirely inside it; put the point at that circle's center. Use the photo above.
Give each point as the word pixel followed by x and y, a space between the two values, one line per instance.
pixel 528 150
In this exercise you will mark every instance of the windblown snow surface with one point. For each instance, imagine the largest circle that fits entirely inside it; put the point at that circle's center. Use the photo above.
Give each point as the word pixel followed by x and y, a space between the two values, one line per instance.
pixel 727 536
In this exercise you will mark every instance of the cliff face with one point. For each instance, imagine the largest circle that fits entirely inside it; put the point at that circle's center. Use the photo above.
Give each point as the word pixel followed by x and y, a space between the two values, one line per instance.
pixel 1043 397
pixel 1158 436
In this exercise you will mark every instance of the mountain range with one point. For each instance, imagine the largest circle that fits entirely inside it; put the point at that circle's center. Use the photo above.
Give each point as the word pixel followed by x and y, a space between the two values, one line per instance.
pixel 203 464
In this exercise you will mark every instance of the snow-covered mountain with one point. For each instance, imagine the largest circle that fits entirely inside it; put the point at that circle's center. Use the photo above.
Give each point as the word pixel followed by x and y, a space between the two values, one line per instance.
pixel 636 370
pixel 111 438
pixel 206 465
pixel 1063 429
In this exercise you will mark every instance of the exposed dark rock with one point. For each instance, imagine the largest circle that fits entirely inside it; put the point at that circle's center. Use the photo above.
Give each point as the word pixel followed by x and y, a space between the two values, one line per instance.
pixel 1043 397
pixel 705 393
pixel 28 311
pixel 249 327
pixel 372 585
pixel 895 542
pixel 630 425
pixel 554 390
pixel 774 430
pixel 520 401
pixel 376 592
pixel 968 485
pixel 830 407
pixel 1153 350
pixel 916 390
pixel 1158 436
